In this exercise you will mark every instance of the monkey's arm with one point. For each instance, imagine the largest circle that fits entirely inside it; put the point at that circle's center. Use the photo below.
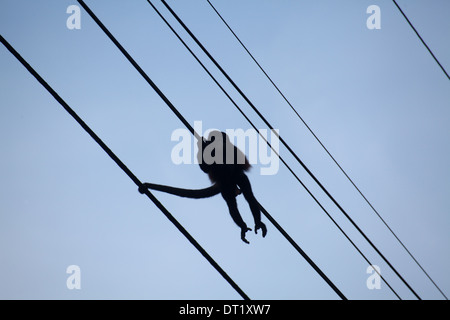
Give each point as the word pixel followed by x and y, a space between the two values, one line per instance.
pixel 186 193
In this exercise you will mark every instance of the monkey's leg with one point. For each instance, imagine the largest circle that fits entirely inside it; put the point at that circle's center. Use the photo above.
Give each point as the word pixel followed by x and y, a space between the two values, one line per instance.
pixel 246 189
pixel 230 198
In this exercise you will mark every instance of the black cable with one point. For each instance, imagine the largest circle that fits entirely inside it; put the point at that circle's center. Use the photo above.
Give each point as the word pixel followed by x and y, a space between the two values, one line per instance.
pixel 429 50
pixel 124 168
pixel 299 116
pixel 139 69
pixel 282 160
pixel 305 256
pixel 440 65
pixel 158 91
pixel 320 142
pixel 304 122
pixel 288 147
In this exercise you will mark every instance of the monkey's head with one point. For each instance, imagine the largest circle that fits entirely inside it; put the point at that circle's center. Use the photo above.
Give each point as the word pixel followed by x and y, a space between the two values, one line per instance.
pixel 239 157
pixel 213 135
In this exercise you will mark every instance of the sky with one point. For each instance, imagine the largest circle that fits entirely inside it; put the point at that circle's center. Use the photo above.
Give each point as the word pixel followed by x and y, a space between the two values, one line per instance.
pixel 376 99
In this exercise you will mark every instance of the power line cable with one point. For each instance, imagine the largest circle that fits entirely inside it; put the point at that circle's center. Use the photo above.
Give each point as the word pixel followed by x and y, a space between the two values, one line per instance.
pixel 177 113
pixel 429 50
pixel 289 148
pixel 445 72
pixel 323 146
pixel 448 77
pixel 282 160
pixel 127 171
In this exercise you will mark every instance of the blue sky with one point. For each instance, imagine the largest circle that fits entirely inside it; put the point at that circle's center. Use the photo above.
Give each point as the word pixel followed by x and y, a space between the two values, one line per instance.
pixel 376 99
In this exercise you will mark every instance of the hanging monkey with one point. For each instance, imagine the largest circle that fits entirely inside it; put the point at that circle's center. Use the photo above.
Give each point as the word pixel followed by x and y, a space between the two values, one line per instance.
pixel 225 165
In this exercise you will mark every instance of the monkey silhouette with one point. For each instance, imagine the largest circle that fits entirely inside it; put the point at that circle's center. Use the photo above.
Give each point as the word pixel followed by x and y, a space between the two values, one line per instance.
pixel 225 165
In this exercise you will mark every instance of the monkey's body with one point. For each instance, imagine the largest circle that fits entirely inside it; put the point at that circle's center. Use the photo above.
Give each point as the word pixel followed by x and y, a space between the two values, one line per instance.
pixel 229 179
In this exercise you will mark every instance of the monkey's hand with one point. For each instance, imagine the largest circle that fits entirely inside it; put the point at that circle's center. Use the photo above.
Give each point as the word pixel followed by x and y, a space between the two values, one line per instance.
pixel 243 231
pixel 261 226
pixel 142 188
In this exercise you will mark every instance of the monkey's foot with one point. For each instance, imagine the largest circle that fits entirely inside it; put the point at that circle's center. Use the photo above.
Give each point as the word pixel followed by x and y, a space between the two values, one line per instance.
pixel 261 226
pixel 243 231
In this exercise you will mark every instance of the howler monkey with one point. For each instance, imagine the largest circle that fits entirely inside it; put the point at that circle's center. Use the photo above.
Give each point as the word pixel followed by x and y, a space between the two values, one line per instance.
pixel 225 165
